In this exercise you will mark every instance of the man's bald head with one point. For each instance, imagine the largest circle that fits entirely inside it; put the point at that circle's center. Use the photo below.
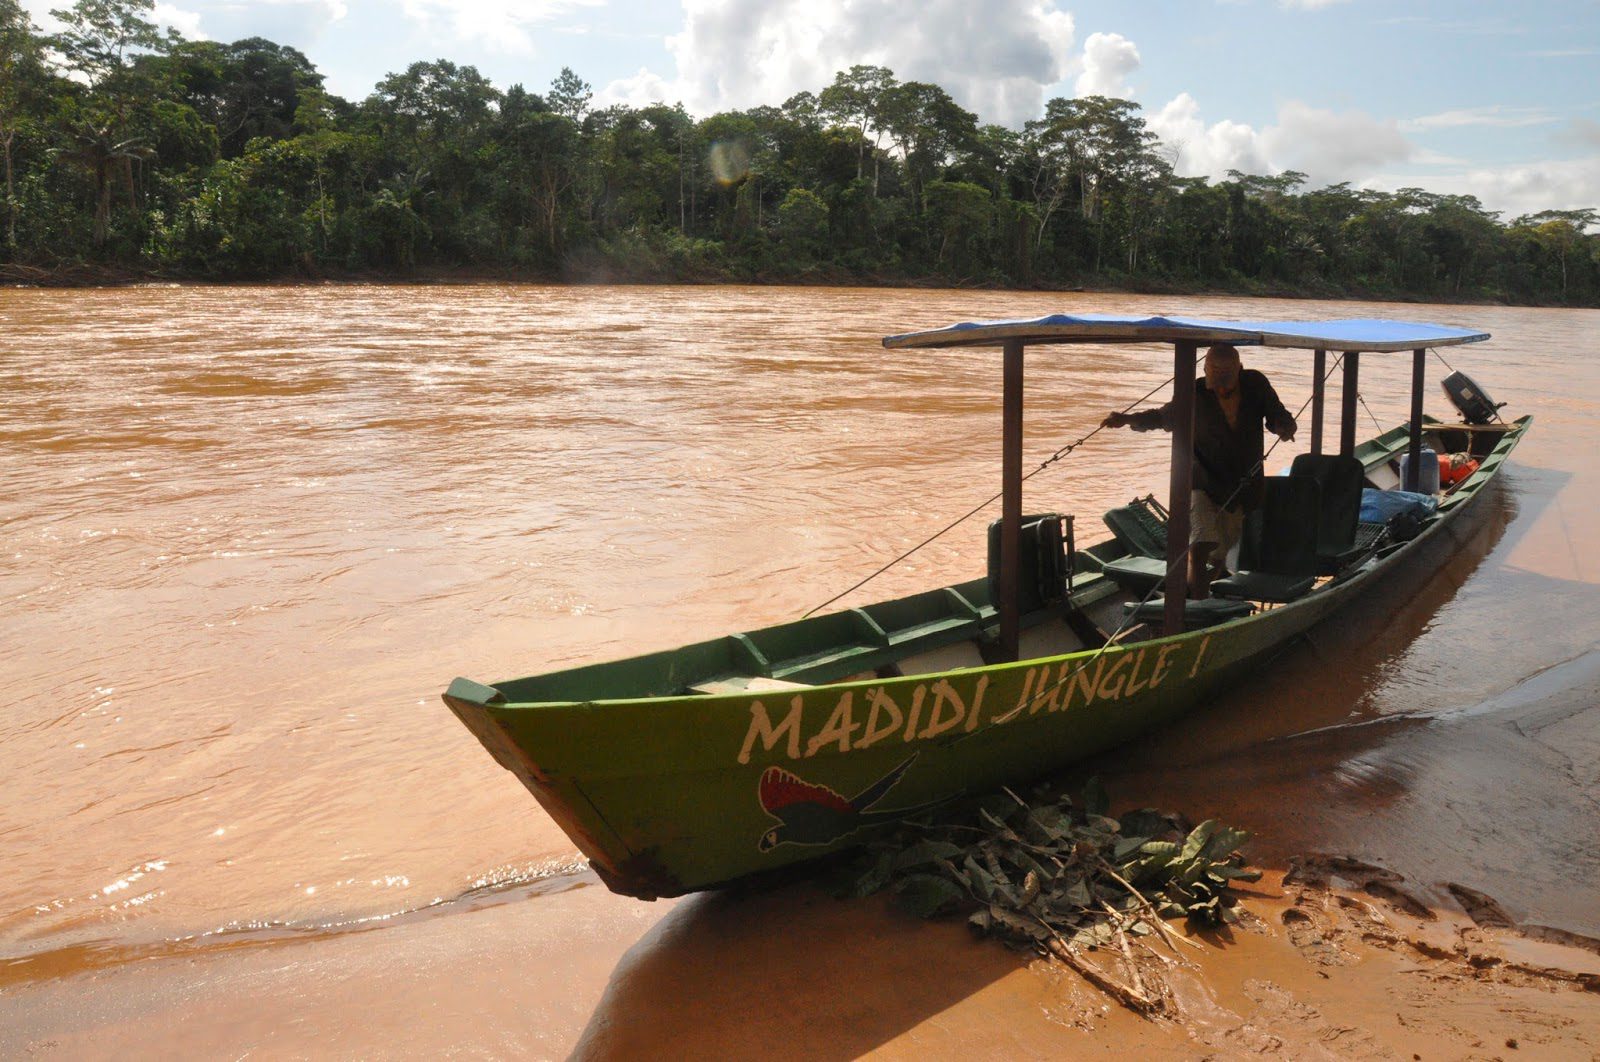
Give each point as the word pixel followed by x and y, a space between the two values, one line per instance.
pixel 1222 369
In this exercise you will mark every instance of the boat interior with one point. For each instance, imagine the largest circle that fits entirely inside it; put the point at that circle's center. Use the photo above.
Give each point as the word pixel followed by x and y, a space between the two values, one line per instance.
pixel 1329 517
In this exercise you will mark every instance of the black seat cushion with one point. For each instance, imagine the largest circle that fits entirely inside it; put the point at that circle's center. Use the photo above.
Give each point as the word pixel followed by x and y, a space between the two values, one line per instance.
pixel 1137 575
pixel 1263 586
pixel 1278 557
pixel 1288 527
pixel 1196 614
pixel 1341 478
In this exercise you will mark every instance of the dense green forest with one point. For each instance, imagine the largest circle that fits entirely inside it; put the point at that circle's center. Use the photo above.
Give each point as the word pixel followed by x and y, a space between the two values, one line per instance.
pixel 129 152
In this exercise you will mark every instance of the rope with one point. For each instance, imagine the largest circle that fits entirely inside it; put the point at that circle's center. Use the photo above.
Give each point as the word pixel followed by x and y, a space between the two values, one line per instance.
pixel 1374 416
pixel 1067 449
pixel 1046 463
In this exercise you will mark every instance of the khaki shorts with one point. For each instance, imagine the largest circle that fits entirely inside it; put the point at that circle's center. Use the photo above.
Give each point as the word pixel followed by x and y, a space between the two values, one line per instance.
pixel 1210 522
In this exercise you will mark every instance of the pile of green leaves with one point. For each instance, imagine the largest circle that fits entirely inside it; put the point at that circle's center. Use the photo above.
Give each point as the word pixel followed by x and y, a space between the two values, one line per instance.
pixel 1050 872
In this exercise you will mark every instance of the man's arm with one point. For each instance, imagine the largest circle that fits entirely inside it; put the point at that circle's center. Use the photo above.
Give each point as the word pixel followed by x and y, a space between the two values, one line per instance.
pixel 1144 420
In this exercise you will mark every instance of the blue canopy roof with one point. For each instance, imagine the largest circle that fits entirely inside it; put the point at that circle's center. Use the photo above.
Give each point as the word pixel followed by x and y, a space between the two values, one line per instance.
pixel 1358 333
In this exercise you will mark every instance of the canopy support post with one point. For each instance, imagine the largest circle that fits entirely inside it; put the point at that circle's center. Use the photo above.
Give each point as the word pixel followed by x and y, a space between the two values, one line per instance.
pixel 1182 479
pixel 1347 402
pixel 1011 501
pixel 1319 369
pixel 1419 366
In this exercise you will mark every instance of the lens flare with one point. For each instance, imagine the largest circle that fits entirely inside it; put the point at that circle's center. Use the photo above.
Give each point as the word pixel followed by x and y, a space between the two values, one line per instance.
pixel 730 161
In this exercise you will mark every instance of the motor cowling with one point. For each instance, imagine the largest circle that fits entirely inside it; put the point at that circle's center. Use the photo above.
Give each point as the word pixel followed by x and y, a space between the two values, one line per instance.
pixel 1475 405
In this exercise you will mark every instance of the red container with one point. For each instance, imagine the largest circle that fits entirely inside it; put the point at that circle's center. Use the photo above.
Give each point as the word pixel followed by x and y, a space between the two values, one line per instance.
pixel 1453 468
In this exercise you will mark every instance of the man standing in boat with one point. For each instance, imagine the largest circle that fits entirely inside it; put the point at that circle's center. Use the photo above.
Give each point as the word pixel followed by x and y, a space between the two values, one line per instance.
pixel 1231 406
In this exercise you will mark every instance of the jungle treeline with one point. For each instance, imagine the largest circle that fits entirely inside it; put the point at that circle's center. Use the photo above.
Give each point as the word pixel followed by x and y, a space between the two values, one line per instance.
pixel 136 153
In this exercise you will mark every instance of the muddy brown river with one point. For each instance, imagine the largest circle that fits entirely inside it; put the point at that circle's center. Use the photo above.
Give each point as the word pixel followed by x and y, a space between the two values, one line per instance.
pixel 248 535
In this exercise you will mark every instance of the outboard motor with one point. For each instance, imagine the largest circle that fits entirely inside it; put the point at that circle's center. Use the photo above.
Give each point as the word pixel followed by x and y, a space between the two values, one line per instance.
pixel 1464 393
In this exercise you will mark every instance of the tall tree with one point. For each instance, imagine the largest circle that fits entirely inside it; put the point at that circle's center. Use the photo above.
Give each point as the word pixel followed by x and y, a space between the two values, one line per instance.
pixel 569 95
pixel 248 89
pixel 1561 234
pixel 21 72
pixel 540 165
pixel 928 127
pixel 98 41
pixel 439 117
pixel 855 99
pixel 99 38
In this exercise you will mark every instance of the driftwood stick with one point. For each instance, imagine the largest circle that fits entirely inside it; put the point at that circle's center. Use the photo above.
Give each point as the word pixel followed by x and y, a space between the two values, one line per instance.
pixel 1133 967
pixel 1134 1001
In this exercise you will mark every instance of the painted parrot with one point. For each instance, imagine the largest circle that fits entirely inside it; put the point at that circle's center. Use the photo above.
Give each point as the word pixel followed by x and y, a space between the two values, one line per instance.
pixel 813 814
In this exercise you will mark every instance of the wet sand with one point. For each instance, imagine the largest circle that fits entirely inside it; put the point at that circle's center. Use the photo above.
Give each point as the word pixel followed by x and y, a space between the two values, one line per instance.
pixel 1351 965
pixel 236 821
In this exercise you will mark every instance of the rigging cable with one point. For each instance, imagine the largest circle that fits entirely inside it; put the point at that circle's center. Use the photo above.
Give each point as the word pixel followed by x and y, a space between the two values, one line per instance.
pixel 1375 422
pixel 1046 463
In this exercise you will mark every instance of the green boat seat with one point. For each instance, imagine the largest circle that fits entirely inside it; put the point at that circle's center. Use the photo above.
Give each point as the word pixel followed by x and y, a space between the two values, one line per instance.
pixel 1341 478
pixel 1042 565
pixel 1136 575
pixel 1140 526
pixel 1196 614
pixel 1278 555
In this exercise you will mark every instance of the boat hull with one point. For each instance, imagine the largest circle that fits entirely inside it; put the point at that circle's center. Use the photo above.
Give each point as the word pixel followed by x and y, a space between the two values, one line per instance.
pixel 670 794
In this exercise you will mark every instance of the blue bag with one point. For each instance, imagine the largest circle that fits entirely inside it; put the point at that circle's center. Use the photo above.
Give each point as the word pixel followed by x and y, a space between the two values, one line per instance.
pixel 1379 506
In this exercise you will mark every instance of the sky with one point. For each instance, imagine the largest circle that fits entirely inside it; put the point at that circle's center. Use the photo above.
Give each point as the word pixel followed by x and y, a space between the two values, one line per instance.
pixel 1496 100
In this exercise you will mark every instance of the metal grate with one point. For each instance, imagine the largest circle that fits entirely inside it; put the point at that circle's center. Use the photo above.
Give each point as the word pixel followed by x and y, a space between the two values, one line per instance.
pixel 1367 535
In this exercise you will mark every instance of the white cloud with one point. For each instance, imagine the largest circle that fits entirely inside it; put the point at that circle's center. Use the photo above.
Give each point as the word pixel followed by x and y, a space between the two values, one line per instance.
pixel 39 11
pixel 1351 146
pixel 1108 59
pixel 1332 145
pixel 1497 115
pixel 640 90
pixel 185 22
pixel 996 58
pixel 1328 146
pixel 1202 150
pixel 1427 157
pixel 498 25
pixel 1307 5
pixel 1524 188
pixel 333 10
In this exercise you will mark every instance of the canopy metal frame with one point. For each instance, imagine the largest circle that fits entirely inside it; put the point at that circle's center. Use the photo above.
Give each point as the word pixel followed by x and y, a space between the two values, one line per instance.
pixel 1186 336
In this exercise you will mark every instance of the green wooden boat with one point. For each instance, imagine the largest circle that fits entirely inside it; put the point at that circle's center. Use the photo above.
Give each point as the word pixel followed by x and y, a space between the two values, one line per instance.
pixel 691 768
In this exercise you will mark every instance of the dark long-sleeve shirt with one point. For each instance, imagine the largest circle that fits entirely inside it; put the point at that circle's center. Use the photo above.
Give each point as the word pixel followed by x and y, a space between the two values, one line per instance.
pixel 1227 456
